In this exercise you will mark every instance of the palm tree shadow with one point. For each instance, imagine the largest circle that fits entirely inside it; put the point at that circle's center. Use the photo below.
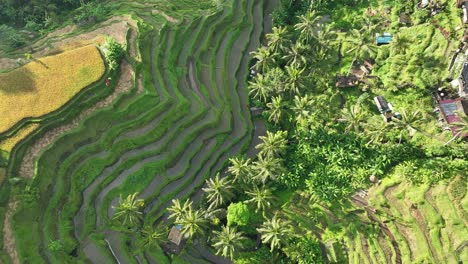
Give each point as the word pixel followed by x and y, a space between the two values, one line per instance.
pixel 20 80
pixel 41 63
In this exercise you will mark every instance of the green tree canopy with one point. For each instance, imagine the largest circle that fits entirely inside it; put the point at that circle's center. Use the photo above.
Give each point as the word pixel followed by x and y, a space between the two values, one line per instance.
pixel 238 214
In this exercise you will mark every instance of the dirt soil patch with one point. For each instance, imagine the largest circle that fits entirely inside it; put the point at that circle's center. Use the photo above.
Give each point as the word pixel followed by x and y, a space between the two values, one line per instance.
pixel 8 237
pixel 124 84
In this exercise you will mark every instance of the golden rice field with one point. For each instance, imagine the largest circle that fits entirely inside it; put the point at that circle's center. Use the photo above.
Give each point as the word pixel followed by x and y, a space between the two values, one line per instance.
pixel 47 83
pixel 9 143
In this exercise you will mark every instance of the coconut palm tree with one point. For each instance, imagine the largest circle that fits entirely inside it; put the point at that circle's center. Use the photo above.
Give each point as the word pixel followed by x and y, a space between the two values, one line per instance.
pixel 177 209
pixel 129 210
pixel 218 191
pixel 260 88
pixel 275 109
pixel 326 38
pixel 193 222
pixel 227 241
pixel 361 47
pixel 354 117
pixel 153 236
pixel 278 39
pixel 376 130
pixel 273 144
pixel 275 231
pixel 368 26
pixel 261 197
pixel 461 127
pixel 265 58
pixel 294 78
pixel 295 55
pixel 307 25
pixel 266 168
pixel 302 109
pixel 401 43
pixel 409 121
pixel 240 169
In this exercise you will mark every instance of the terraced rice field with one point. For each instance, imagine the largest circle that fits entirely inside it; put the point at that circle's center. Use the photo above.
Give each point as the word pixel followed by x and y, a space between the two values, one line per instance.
pixel 45 84
pixel 162 142
pixel 395 223
pixel 428 222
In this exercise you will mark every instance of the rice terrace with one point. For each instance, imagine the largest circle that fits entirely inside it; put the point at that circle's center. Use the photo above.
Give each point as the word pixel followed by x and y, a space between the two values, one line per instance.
pixel 234 131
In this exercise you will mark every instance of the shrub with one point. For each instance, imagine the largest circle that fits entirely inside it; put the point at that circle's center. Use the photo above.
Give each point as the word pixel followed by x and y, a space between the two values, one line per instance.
pixel 304 250
pixel 113 52
pixel 96 11
pixel 10 39
pixel 238 213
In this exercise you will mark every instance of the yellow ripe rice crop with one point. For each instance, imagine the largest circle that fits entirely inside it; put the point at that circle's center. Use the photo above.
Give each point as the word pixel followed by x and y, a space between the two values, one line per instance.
pixel 46 84
pixel 9 143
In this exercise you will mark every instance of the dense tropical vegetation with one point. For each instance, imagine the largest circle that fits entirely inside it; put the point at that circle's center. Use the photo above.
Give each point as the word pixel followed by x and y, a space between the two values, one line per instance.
pixel 330 181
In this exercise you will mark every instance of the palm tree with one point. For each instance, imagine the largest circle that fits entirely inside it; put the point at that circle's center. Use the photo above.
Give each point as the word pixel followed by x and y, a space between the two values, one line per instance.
pixel 218 191
pixel 369 27
pixel 307 25
pixel 260 88
pixel 267 168
pixel 240 169
pixel 401 43
pixel 275 231
pixel 278 39
pixel 361 46
pixel 302 109
pixel 409 121
pixel 294 79
pixel 461 127
pixel 129 210
pixel 193 222
pixel 261 197
pixel 177 209
pixel 273 144
pixel 153 236
pixel 326 38
pixel 377 129
pixel 265 58
pixel 227 241
pixel 295 55
pixel 275 109
pixel 354 117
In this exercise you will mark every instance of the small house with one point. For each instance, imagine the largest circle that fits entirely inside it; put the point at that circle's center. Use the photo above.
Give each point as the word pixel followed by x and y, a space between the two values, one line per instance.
pixel 423 3
pixel 383 39
pixel 346 81
pixel 175 235
pixel 463 4
pixel 463 81
pixel 384 107
pixel 460 3
pixel 404 19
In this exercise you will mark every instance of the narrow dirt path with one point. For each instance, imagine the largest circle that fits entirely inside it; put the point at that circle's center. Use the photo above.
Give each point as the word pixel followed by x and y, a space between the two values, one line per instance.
pixel 383 227
pixel 424 228
pixel 403 229
pixel 365 248
pixel 166 16
pixel 124 85
pixel 8 238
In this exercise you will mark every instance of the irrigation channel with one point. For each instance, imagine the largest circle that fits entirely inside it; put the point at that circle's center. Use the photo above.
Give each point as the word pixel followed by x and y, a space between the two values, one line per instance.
pixel 162 143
